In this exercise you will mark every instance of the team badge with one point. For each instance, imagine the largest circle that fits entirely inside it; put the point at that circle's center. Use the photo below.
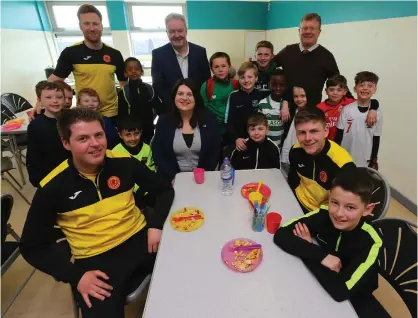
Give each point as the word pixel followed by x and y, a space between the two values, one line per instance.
pixel 144 159
pixel 106 58
pixel 323 176
pixel 113 183
pixel 255 103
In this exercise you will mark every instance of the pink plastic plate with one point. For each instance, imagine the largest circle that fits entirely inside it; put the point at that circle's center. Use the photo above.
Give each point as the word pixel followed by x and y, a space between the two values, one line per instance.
pixel 12 126
pixel 241 261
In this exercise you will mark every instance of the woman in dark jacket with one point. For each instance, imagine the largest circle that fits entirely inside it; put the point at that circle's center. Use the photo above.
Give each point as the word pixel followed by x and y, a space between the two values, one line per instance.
pixel 188 136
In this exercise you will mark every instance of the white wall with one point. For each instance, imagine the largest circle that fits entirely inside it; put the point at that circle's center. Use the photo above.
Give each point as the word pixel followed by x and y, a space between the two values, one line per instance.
pixel 24 56
pixel 388 48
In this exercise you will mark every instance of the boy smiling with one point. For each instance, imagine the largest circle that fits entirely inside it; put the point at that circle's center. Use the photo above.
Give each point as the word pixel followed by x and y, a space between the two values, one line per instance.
pixel 345 262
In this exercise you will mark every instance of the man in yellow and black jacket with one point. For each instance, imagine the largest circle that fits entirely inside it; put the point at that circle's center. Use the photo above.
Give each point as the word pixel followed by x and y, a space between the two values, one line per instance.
pixel 314 160
pixel 345 261
pixel 90 197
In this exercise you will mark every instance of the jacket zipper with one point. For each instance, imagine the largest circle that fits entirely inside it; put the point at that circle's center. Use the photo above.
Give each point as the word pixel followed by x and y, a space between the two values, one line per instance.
pixel 256 159
pixel 96 184
pixel 313 178
pixel 338 242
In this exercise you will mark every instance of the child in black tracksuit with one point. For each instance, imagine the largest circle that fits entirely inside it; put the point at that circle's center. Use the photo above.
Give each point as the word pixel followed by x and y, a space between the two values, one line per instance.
pixel 241 104
pixel 261 152
pixel 345 262
pixel 137 99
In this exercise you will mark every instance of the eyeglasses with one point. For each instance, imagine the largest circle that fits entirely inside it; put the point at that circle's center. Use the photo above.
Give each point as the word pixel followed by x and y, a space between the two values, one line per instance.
pixel 304 29
pixel 172 32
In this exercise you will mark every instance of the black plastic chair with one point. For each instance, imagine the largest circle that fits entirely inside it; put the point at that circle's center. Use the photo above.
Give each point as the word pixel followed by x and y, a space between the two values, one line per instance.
pixel 398 258
pixel 15 103
pixel 381 196
pixel 9 249
pixel 6 166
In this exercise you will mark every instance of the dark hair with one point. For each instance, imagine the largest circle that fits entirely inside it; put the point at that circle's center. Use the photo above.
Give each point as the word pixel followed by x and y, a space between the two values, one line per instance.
pixel 312 16
pixel 309 103
pixel 199 108
pixel 64 86
pixel 89 92
pixel 71 116
pixel 277 72
pixel 337 80
pixel 129 124
pixel 357 181
pixel 133 59
pixel 266 44
pixel 366 76
pixel 313 114
pixel 218 55
pixel 257 119
pixel 88 8
pixel 45 85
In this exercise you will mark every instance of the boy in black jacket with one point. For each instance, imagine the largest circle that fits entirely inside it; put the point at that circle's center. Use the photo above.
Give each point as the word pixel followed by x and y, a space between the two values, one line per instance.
pixel 45 150
pixel 137 99
pixel 345 262
pixel 262 152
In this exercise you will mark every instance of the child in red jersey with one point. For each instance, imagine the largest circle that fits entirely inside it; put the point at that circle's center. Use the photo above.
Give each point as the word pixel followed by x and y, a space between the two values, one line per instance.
pixel 338 97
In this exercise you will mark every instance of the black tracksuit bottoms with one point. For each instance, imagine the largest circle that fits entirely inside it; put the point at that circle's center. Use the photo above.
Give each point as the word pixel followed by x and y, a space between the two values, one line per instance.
pixel 126 265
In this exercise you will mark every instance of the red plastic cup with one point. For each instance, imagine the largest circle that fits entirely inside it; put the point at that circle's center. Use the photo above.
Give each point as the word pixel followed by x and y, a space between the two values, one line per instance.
pixel 273 222
pixel 199 175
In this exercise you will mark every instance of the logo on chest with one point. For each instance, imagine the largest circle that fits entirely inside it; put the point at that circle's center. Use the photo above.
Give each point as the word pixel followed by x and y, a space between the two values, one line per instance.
pixel 323 176
pixel 107 58
pixel 113 183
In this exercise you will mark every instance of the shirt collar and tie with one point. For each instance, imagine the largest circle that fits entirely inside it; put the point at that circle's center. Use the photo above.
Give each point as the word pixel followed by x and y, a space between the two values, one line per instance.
pixel 183 62
pixel 306 51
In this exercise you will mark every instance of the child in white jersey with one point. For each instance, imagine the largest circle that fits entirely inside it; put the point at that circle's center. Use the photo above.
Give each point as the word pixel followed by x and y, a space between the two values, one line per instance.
pixel 359 139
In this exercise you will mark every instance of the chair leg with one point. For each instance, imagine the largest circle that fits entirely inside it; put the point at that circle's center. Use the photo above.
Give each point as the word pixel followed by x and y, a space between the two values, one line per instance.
pixel 14 179
pixel 16 189
pixel 17 293
pixel 76 309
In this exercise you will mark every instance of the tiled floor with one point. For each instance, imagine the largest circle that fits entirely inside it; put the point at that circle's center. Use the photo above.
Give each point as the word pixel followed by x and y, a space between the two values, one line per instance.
pixel 44 298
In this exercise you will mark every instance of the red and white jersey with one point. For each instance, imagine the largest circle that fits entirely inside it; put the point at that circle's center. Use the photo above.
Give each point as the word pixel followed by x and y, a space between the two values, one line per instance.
pixel 358 136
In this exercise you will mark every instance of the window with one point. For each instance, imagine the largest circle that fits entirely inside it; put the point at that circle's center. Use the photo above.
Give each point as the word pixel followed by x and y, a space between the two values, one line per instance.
pixel 65 24
pixel 147 27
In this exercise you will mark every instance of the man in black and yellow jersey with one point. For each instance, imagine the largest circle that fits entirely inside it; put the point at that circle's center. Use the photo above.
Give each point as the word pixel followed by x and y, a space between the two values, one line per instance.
pixel 90 197
pixel 314 160
pixel 346 261
pixel 93 63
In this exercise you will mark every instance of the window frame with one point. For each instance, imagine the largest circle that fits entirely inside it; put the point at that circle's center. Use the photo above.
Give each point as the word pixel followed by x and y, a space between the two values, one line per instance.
pixel 68 32
pixel 133 28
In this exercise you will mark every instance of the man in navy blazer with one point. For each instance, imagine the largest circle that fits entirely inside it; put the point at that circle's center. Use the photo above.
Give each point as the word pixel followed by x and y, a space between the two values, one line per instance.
pixel 177 59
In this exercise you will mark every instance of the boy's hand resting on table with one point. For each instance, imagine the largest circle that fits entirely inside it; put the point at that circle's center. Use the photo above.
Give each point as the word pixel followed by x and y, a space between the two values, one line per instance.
pixel 240 144
pixel 371 117
pixel 91 285
pixel 154 238
pixel 332 262
pixel 284 112
pixel 302 231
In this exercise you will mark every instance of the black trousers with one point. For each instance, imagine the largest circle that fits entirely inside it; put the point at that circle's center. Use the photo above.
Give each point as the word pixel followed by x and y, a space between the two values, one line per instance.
pixel 367 306
pixel 126 264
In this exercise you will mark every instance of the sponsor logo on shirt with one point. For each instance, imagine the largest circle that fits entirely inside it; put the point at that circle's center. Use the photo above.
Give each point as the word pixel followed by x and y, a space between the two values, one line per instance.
pixel 113 183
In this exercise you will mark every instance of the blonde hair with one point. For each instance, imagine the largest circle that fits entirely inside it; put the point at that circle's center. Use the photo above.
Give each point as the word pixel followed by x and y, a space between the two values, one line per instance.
pixel 246 66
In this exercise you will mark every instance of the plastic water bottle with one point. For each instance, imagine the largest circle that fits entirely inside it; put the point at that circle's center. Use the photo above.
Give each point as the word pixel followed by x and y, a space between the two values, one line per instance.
pixel 227 177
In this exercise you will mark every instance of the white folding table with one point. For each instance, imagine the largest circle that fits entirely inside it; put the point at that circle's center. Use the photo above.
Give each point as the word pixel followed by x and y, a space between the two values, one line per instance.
pixel 191 281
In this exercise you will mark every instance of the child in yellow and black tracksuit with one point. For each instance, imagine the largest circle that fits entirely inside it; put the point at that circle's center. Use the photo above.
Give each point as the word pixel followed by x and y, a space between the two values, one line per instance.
pixel 345 262
pixel 130 132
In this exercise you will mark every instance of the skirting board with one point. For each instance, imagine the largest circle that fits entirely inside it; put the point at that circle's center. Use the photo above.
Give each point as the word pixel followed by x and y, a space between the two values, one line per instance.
pixel 411 206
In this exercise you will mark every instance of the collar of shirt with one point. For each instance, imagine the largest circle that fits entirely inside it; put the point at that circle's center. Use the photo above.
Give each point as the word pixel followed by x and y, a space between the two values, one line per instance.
pixel 313 47
pixel 178 53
